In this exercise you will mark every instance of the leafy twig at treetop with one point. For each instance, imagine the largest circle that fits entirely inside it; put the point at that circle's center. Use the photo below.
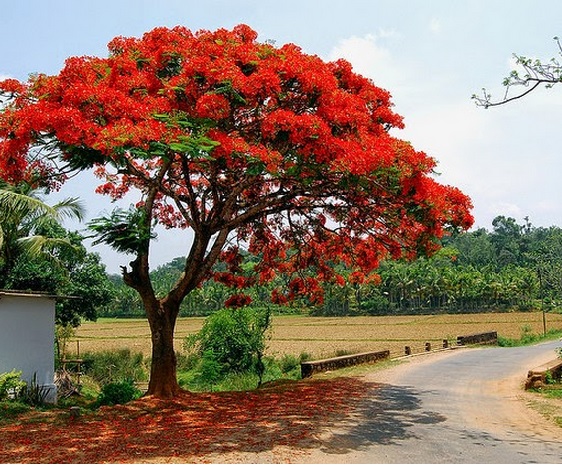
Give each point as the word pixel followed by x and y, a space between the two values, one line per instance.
pixel 243 143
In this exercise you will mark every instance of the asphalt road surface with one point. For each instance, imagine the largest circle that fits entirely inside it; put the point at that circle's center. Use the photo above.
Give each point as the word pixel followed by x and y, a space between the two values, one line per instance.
pixel 461 406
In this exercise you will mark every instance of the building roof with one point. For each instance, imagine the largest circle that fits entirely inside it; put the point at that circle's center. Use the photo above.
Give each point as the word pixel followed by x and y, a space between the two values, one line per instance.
pixel 31 294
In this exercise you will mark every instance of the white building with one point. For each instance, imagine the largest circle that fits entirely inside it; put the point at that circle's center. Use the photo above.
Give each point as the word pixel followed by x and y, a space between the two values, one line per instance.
pixel 27 336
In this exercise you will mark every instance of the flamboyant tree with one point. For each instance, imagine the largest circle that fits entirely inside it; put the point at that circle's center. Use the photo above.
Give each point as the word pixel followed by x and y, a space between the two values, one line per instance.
pixel 243 143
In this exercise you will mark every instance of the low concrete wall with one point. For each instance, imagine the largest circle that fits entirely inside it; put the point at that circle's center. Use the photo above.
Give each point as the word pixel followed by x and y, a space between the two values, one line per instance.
pixel 490 337
pixel 309 368
pixel 537 376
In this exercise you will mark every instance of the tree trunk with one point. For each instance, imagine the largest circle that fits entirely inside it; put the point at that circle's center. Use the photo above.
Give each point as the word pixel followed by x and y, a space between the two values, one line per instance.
pixel 163 379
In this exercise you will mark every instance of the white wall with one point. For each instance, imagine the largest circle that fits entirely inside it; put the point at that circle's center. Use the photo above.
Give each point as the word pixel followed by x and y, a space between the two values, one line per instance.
pixel 27 333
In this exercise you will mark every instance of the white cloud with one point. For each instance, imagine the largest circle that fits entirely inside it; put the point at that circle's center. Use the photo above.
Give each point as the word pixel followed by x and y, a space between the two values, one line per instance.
pixel 387 33
pixel 503 208
pixel 435 26
pixel 371 59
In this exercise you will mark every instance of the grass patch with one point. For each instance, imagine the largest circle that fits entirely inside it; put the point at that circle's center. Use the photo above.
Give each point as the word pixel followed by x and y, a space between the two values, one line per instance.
pixel 193 377
pixel 10 410
pixel 529 338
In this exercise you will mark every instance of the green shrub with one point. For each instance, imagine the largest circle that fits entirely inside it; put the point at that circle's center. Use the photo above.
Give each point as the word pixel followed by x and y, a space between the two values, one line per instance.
pixel 114 365
pixel 209 371
pixel 235 338
pixel 11 384
pixel 289 363
pixel 118 393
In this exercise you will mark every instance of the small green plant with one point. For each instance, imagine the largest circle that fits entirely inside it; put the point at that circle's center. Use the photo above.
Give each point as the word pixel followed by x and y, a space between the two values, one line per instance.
pixel 289 363
pixel 11 385
pixel 549 379
pixel 118 393
pixel 34 394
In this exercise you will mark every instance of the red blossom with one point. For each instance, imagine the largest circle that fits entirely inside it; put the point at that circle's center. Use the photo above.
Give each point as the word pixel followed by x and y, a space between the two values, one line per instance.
pixel 212 106
pixel 238 301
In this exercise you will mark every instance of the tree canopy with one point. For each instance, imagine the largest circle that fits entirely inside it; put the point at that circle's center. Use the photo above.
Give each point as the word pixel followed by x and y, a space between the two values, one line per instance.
pixel 243 143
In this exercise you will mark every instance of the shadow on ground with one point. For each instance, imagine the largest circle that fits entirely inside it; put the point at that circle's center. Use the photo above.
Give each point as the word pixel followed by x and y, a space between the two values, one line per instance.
pixel 336 416
pixel 386 416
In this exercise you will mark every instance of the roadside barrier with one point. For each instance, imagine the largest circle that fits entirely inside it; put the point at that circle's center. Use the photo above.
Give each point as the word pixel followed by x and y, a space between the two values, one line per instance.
pixel 537 376
pixel 309 368
pixel 490 337
pixel 316 366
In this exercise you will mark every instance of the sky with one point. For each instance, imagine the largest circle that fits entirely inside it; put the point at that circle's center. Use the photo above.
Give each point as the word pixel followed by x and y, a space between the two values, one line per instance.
pixel 431 55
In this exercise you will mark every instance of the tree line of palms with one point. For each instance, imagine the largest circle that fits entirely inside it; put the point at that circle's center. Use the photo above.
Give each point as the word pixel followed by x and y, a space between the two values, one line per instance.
pixel 512 266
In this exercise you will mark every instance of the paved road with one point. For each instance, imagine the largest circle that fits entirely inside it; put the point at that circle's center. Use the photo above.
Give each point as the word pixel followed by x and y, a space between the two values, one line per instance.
pixel 457 407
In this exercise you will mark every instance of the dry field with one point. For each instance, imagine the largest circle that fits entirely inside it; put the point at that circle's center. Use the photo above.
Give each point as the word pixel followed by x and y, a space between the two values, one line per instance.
pixel 322 337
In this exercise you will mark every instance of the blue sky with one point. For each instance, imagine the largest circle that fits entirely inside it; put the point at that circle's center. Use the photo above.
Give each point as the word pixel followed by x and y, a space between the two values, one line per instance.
pixel 432 55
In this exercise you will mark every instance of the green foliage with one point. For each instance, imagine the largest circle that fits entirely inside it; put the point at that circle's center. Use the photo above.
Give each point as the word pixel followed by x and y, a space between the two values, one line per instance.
pixel 234 338
pixel 289 363
pixel 28 393
pixel 119 392
pixel 33 393
pixel 549 379
pixel 63 334
pixel 11 384
pixel 114 365
pixel 193 379
pixel 37 253
pixel 513 266
pixel 529 338
pixel 127 231
pixel 209 371
pixel 10 409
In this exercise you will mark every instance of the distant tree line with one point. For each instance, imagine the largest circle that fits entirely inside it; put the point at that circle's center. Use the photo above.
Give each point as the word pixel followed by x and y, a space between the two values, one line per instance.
pixel 513 266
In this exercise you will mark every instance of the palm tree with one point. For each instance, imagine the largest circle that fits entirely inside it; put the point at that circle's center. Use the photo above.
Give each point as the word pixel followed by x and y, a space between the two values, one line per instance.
pixel 25 221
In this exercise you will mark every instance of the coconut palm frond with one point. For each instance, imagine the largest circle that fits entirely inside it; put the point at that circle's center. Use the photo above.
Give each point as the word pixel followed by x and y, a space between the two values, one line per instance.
pixel 71 208
pixel 39 245
pixel 13 202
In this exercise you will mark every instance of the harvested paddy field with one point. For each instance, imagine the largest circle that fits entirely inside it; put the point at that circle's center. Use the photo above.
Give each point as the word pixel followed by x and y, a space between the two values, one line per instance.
pixel 321 337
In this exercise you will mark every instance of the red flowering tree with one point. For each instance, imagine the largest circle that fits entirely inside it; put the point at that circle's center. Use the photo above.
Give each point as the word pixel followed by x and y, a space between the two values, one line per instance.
pixel 244 144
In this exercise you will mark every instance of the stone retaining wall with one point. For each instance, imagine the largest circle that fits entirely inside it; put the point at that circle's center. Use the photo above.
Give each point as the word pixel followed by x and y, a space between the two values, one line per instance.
pixel 309 368
pixel 537 376
pixel 490 337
